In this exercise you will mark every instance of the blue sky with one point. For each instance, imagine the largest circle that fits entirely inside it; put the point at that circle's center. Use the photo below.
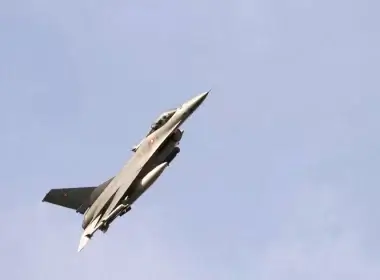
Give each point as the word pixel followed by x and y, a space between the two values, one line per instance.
pixel 278 176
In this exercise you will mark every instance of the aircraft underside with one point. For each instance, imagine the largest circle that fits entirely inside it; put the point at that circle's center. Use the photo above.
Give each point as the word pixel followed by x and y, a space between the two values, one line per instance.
pixel 138 187
pixel 100 205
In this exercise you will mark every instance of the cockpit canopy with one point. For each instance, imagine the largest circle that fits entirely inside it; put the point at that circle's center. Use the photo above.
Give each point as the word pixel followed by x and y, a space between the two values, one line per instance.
pixel 162 119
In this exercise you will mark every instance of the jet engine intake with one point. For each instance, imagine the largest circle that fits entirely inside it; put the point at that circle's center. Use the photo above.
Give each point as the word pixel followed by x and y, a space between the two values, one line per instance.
pixel 177 135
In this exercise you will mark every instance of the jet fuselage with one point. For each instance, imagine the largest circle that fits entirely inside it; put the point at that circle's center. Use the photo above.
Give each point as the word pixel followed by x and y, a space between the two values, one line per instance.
pixel 166 153
pixel 101 210
pixel 101 205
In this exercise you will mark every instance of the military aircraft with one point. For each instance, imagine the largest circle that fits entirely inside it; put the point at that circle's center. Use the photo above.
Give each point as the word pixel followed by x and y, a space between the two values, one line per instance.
pixel 102 204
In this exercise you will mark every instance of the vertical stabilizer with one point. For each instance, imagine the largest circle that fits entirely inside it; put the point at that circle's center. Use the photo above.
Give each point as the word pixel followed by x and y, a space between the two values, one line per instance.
pixel 87 233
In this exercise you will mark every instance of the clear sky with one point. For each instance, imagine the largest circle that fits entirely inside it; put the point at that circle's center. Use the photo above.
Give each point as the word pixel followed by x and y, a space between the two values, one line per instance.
pixel 278 176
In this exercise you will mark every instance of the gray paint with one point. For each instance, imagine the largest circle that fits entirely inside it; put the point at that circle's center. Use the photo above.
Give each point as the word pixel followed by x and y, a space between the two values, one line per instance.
pixel 99 204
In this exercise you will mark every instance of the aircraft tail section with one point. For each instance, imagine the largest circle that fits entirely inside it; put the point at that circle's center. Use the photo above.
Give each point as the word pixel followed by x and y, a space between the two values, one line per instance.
pixel 88 233
pixel 78 199
pixel 72 198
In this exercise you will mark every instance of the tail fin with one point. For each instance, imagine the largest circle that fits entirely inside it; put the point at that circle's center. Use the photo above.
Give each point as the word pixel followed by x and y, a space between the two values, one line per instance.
pixel 72 198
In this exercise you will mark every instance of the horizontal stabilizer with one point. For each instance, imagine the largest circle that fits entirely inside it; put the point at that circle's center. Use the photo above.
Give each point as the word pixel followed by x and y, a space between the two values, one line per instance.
pixel 71 198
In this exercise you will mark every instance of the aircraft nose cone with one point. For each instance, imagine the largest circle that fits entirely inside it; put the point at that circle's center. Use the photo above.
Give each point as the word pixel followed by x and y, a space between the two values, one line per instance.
pixel 198 100
pixel 191 105
pixel 202 97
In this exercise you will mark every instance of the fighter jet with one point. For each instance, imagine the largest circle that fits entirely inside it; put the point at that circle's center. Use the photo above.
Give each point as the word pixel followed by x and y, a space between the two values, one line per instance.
pixel 101 205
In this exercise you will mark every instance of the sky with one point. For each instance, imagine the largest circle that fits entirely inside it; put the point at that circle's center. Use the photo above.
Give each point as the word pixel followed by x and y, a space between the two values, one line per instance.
pixel 278 175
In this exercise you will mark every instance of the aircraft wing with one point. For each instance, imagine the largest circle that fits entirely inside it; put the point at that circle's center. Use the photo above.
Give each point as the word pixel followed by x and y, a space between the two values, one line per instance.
pixel 71 198
pixel 133 167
